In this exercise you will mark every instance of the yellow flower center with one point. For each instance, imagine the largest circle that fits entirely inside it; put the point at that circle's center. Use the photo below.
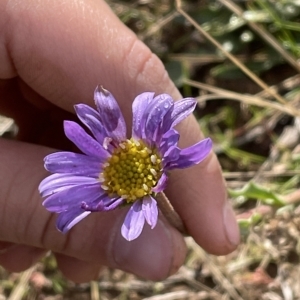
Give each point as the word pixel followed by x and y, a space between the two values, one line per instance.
pixel 132 171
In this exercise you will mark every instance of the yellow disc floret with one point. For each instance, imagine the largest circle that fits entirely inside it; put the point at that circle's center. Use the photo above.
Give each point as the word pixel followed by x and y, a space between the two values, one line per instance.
pixel 132 171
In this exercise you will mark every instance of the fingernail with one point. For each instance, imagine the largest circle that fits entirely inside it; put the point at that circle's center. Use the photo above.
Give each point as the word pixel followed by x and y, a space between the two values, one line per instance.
pixel 231 228
pixel 152 255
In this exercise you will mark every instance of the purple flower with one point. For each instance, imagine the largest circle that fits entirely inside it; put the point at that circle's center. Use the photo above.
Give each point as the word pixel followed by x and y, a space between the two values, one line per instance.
pixel 114 170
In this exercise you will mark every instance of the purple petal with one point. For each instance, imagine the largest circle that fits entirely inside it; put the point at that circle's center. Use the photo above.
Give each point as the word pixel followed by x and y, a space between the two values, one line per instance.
pixel 112 203
pixel 67 219
pixel 57 182
pixel 192 155
pixel 91 118
pixel 182 109
pixel 162 184
pixel 156 111
pixel 134 222
pixel 171 156
pixel 165 124
pixel 84 142
pixel 72 197
pixel 73 163
pixel 105 204
pixel 110 114
pixel 139 106
pixel 150 210
pixel 170 138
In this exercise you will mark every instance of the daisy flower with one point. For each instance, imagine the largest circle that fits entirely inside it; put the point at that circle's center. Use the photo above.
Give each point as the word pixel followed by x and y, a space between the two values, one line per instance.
pixel 115 171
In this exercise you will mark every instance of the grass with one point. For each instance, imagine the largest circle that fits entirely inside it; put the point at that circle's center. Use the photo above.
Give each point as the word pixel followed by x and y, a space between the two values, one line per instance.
pixel 240 59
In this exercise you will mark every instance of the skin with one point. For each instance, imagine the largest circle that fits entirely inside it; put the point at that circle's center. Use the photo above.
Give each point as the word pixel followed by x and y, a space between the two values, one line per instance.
pixel 53 53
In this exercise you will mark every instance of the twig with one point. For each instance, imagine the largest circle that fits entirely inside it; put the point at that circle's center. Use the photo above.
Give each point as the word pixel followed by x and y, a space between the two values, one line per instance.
pixel 95 295
pixel 205 59
pixel 158 26
pixel 287 84
pixel 22 285
pixel 178 295
pixel 248 99
pixel 267 174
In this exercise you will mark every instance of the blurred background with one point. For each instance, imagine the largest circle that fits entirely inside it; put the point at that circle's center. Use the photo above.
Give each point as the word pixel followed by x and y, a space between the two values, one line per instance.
pixel 240 59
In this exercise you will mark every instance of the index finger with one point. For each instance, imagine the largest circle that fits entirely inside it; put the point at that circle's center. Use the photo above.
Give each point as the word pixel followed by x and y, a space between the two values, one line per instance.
pixel 85 45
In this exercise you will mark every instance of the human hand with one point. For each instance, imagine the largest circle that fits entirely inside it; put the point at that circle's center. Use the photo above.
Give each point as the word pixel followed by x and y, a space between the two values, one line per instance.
pixel 52 55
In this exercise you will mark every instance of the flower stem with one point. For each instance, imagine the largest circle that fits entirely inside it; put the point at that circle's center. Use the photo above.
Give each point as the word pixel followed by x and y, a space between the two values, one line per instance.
pixel 168 211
